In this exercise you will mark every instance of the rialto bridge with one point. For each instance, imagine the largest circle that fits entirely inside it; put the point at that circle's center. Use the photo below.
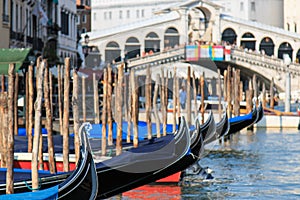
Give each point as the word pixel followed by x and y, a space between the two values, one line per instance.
pixel 256 48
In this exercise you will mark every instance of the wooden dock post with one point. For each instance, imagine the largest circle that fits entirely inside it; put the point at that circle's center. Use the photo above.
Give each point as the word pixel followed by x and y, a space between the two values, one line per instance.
pixel 51 92
pixel 10 134
pixel 16 93
pixel 96 100
pixel 109 105
pixel 2 83
pixel 119 113
pixel 30 107
pixel 148 102
pixel 174 100
pixel 165 117
pixel 3 128
pixel 255 92
pixel 219 88
pixel 104 113
pixel 156 116
pixel 264 102
pixel 195 95
pixel 135 107
pixel 37 124
pixel 26 103
pixel 83 89
pixel 229 99
pixel 188 95
pixel 60 86
pixel 49 125
pixel 177 95
pixel 66 116
pixel 272 94
pixel 163 99
pixel 76 120
pixel 202 84
pixel 129 109
pixel 237 92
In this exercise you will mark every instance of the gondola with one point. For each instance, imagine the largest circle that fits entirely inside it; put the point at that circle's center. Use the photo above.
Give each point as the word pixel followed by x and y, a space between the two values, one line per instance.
pixel 260 111
pixel 82 183
pixel 240 122
pixel 222 128
pixel 137 167
pixel 132 168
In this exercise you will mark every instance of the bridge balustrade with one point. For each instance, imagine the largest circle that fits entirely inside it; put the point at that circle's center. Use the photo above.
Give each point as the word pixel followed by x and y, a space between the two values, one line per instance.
pixel 172 55
pixel 264 61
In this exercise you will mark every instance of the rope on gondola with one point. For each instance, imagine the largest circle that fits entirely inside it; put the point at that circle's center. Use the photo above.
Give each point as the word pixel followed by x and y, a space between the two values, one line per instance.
pixel 33 189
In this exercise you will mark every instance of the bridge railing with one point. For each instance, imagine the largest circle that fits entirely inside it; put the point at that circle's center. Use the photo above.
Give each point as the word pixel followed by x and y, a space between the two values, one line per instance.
pixel 171 55
pixel 265 61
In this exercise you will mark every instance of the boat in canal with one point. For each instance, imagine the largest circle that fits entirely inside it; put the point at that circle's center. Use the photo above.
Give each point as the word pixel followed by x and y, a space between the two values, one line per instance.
pixel 134 167
pixel 240 122
pixel 82 183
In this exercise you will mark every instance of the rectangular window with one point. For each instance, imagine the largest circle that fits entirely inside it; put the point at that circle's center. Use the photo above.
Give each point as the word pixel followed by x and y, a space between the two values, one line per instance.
pixel 84 18
pixel 64 23
pixel 253 6
pixel 137 13
pixel 120 14
pixel 105 15
pixel 110 15
pixel 295 27
pixel 83 30
pixel 143 13
pixel 241 6
pixel 95 16
pixel 17 18
pixel 5 17
pixel 128 13
pixel 78 19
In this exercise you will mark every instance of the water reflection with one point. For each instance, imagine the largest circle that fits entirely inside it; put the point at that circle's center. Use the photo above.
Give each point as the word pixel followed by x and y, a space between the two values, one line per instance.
pixel 264 164
pixel 153 192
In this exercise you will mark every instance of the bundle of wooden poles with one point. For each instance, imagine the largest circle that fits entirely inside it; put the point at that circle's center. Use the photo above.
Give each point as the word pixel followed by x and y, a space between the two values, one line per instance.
pixel 119 102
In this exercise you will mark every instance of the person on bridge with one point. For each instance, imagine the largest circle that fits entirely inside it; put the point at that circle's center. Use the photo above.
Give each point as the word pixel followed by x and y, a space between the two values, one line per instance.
pixel 182 97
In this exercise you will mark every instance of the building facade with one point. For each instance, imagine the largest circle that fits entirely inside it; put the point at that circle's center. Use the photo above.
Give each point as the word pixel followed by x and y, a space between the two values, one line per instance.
pixel 291 16
pixel 269 12
pixel 5 23
pixel 114 13
pixel 46 26
pixel 83 16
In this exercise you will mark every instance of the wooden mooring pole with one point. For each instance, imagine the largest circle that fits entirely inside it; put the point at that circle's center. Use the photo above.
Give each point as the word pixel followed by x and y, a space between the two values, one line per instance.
pixel 75 106
pixel 10 135
pixel 104 113
pixel 119 113
pixel 148 102
pixel 37 125
pixel 49 125
pixel 66 115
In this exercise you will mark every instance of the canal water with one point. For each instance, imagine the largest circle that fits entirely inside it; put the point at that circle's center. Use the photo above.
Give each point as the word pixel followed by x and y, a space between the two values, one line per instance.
pixel 263 164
